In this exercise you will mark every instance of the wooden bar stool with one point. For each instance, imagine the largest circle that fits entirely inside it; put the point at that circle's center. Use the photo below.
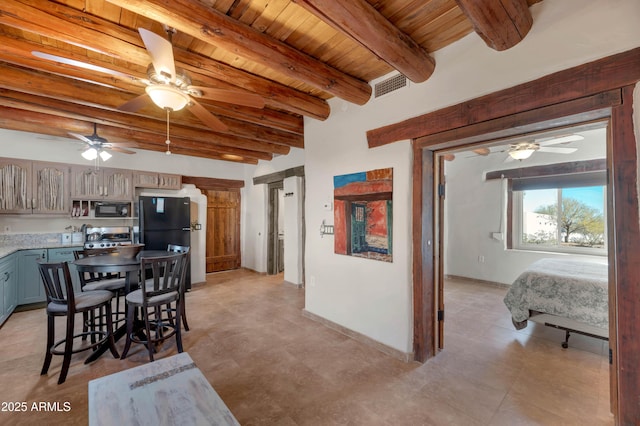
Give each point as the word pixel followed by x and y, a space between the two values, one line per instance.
pixel 62 302
pixel 163 279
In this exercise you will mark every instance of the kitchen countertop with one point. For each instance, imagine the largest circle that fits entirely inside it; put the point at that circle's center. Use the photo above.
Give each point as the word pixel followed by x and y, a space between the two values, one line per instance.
pixel 7 250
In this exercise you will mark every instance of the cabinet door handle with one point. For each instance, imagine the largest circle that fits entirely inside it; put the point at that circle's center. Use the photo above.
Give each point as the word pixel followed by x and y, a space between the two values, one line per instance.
pixel 7 275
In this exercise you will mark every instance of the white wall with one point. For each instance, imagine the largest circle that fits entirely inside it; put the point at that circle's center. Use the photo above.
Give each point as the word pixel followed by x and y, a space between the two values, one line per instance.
pixel 374 298
pixel 292 214
pixel 475 208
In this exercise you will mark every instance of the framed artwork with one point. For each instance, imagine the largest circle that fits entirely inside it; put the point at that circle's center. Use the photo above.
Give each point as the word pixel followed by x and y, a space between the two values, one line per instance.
pixel 363 213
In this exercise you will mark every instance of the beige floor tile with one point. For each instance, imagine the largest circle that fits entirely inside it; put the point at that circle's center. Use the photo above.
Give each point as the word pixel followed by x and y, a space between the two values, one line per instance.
pixel 274 366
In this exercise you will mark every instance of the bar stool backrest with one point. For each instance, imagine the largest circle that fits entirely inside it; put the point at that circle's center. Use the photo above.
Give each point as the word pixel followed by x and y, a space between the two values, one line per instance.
pixel 56 279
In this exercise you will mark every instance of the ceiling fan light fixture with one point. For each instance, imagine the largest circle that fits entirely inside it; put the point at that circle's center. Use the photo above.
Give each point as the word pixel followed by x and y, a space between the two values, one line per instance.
pixel 167 97
pixel 90 154
pixel 105 155
pixel 521 154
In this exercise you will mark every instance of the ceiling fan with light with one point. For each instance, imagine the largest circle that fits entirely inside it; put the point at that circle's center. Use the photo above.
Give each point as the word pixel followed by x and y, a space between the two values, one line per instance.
pixel 98 146
pixel 170 87
pixel 523 150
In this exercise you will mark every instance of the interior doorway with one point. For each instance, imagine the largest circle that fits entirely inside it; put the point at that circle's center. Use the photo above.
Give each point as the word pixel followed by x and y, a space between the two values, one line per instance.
pixel 483 222
pixel 497 214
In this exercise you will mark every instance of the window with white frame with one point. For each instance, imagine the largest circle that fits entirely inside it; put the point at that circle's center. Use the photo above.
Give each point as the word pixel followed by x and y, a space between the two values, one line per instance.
pixel 564 213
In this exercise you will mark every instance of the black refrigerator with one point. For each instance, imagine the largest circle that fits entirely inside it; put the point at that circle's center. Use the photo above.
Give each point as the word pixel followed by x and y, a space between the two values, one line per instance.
pixel 164 221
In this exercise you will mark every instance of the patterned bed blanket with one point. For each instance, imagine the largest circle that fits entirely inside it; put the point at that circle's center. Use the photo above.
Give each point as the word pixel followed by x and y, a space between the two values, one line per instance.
pixel 566 288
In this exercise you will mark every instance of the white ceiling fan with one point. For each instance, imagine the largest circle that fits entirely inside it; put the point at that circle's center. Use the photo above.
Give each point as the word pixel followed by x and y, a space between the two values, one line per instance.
pixel 523 150
pixel 98 146
pixel 170 87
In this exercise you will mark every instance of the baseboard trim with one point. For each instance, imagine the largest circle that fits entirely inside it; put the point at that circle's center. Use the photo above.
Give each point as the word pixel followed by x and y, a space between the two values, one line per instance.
pixel 477 281
pixel 393 352
pixel 290 284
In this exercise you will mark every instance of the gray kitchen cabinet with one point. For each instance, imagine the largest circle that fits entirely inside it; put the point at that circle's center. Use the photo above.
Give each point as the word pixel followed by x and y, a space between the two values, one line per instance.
pixel 33 187
pixel 30 287
pixel 90 183
pixel 66 255
pixel 8 287
pixel 156 180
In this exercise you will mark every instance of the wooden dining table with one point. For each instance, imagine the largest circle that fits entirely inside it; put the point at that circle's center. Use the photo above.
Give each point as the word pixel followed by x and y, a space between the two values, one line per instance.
pixel 117 263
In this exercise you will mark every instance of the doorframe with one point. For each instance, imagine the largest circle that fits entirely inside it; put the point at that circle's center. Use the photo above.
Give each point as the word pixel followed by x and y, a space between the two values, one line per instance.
pixel 278 178
pixel 617 105
pixel 273 189
pixel 607 83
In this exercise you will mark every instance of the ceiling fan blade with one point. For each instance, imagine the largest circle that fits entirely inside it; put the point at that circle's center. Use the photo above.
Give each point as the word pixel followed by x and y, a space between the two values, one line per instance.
pixel 482 151
pixel 231 96
pixel 557 150
pixel 122 150
pixel 206 117
pixel 560 139
pixel 449 157
pixel 82 138
pixel 161 53
pixel 78 64
pixel 135 104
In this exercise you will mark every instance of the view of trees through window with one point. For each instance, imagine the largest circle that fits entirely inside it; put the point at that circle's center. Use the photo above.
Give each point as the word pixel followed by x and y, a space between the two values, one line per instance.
pixel 564 217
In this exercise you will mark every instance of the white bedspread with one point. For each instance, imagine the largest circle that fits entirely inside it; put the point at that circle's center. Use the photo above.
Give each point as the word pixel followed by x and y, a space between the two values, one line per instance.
pixel 567 288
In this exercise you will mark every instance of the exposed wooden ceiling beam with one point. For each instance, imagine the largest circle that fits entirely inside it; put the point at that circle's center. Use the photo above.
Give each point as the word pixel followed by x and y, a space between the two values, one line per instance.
pixel 213 183
pixel 362 22
pixel 13 51
pixel 501 24
pixel 81 29
pixel 155 129
pixel 205 23
pixel 80 92
pixel 47 124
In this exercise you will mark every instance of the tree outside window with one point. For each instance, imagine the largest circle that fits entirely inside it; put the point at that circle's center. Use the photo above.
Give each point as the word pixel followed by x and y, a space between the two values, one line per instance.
pixel 564 217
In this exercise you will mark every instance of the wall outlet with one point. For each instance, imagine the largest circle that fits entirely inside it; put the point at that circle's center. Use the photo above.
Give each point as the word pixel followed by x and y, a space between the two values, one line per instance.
pixel 312 281
pixel 480 259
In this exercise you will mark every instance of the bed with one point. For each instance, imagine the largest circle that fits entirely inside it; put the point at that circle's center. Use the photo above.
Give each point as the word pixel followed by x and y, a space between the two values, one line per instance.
pixel 570 295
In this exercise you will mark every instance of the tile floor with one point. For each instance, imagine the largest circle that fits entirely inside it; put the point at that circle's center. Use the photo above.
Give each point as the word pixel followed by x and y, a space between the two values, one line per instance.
pixel 272 366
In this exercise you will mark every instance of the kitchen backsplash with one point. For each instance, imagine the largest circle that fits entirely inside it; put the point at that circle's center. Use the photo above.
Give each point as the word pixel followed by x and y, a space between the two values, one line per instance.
pixel 29 240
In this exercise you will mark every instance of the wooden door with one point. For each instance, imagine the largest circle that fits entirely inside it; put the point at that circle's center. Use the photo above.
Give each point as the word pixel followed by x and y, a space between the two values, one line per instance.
pixel 223 230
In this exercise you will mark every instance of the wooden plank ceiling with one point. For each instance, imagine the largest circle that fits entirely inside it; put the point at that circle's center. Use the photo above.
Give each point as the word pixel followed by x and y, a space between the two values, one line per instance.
pixel 293 54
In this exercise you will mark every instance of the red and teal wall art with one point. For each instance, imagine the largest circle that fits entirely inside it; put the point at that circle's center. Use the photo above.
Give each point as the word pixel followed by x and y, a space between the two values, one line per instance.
pixel 363 213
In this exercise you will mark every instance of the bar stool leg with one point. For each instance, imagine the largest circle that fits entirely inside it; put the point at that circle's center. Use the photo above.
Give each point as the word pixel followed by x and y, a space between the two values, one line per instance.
pixel 130 319
pixel 112 342
pixel 50 341
pixel 147 328
pixel 68 350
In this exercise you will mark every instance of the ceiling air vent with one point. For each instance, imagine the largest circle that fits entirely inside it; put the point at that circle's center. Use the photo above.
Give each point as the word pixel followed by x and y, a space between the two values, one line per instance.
pixel 389 85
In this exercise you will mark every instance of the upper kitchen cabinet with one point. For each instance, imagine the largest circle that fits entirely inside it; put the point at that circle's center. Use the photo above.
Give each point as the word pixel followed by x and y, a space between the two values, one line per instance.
pixel 101 184
pixel 33 187
pixel 156 180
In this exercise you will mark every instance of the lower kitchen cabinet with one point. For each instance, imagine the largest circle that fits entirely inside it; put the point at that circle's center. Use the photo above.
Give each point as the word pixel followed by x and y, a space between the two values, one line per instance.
pixel 30 287
pixel 66 255
pixel 8 287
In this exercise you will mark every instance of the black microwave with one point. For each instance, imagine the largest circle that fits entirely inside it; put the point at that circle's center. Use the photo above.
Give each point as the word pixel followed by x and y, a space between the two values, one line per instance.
pixel 106 209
